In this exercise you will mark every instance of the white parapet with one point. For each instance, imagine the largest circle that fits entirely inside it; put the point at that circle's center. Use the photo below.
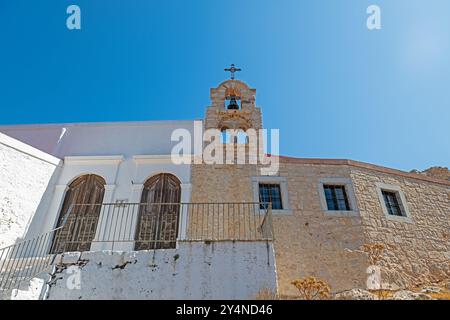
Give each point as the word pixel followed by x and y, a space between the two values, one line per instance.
pixel 194 270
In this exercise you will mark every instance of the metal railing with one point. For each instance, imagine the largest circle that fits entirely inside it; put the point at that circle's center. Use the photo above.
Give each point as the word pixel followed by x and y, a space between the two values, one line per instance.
pixel 26 259
pixel 143 226
pixel 134 226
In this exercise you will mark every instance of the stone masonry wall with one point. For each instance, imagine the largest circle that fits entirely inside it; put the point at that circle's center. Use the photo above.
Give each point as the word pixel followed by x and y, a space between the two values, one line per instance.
pixel 306 242
pixel 222 183
pixel 309 241
pixel 228 185
pixel 416 252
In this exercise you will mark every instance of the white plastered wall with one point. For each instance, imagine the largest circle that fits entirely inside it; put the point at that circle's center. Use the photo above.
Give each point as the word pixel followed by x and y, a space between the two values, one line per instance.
pixel 27 176
pixel 125 178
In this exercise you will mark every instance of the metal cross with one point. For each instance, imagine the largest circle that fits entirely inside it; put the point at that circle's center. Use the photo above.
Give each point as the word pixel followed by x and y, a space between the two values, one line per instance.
pixel 232 70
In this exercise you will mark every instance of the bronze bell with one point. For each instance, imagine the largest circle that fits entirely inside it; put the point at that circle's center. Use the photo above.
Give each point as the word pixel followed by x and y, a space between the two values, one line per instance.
pixel 233 105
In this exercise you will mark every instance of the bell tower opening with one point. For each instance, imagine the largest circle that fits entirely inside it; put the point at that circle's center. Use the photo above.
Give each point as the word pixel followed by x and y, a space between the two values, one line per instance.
pixel 235 119
pixel 232 99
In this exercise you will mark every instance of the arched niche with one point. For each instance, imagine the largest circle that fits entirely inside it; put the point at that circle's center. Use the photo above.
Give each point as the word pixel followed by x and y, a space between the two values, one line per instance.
pixel 79 214
pixel 157 225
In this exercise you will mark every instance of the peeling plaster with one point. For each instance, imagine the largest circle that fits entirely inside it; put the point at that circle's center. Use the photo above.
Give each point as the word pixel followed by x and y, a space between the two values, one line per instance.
pixel 222 270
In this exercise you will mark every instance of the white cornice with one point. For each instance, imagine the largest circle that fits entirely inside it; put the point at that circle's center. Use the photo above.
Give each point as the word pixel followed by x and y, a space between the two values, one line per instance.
pixel 93 160
pixel 165 158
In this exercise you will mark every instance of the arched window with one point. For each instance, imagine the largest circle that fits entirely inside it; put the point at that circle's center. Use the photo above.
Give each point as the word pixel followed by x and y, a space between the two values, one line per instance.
pixel 80 211
pixel 242 137
pixel 225 136
pixel 238 136
pixel 157 226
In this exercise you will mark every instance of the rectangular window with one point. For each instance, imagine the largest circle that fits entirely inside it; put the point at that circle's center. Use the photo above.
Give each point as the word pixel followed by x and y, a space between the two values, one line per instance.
pixel 336 198
pixel 392 203
pixel 270 193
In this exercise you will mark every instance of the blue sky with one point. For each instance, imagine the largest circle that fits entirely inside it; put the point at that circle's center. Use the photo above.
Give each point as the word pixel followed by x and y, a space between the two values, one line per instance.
pixel 332 87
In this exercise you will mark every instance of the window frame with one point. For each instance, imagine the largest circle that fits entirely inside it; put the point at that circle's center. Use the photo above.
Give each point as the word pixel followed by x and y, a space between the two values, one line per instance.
pixel 335 199
pixel 347 184
pixel 392 203
pixel 401 200
pixel 282 182
pixel 270 187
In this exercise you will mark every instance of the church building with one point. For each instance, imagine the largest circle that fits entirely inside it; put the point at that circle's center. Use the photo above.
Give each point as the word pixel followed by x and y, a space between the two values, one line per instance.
pixel 107 211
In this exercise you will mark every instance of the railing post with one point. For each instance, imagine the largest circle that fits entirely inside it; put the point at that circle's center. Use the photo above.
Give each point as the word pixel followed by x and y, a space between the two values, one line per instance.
pixel 271 222
pixel 183 221
pixel 59 234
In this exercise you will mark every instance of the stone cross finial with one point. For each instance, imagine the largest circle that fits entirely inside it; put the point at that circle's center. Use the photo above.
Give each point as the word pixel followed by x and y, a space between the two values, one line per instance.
pixel 232 70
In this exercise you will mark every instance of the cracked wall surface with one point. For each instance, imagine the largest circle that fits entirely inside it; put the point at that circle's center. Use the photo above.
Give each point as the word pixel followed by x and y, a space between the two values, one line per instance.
pixel 195 270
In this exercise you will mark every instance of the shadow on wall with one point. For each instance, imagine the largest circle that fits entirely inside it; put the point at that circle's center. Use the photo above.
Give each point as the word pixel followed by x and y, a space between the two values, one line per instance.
pixel 38 222
pixel 27 182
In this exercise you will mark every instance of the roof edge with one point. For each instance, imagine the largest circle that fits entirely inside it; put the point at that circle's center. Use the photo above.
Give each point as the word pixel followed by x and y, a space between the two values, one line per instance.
pixel 29 150
pixel 362 165
pixel 94 124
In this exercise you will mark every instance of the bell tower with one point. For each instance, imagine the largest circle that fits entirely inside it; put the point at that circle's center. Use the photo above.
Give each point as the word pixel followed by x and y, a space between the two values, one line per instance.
pixel 233 106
